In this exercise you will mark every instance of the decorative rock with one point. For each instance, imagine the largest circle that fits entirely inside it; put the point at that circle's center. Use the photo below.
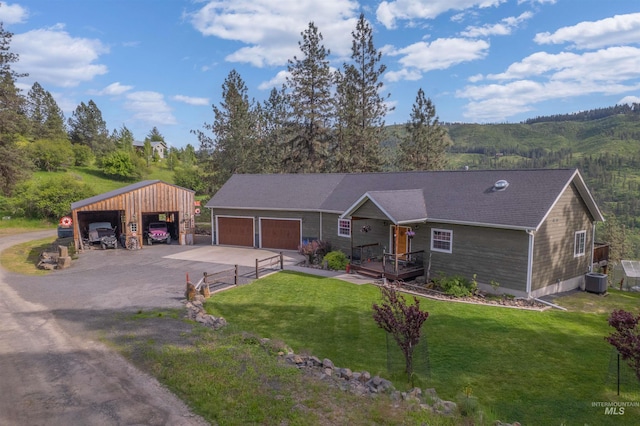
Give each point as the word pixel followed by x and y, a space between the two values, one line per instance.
pixel 345 373
pixel 327 363
pixel 63 251
pixel 64 262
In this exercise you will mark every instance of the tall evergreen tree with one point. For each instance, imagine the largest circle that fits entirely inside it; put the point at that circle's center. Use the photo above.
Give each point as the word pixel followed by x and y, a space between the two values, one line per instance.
pixel 361 108
pixel 424 147
pixel 14 166
pixel 46 119
pixel 274 129
pixel 86 127
pixel 155 135
pixel 123 138
pixel 310 82
pixel 233 147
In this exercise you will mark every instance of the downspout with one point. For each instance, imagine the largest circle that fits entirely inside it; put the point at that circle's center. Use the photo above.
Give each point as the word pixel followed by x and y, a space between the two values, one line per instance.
pixel 320 226
pixel 530 261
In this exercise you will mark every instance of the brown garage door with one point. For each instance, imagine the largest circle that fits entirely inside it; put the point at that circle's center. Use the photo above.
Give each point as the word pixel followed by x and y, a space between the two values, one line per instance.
pixel 235 231
pixel 280 234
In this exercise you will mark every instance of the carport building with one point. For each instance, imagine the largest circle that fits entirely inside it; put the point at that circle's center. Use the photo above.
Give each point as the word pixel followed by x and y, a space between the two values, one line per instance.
pixel 130 210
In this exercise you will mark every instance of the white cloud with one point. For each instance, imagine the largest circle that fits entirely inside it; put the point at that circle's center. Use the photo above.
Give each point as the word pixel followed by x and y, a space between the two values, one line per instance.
pixel 389 12
pixel 191 100
pixel 629 100
pixel 544 77
pixel 149 107
pixel 114 89
pixel 404 74
pixel 12 13
pixel 616 31
pixel 612 64
pixel 277 81
pixel 272 29
pixel 52 56
pixel 439 54
pixel 504 27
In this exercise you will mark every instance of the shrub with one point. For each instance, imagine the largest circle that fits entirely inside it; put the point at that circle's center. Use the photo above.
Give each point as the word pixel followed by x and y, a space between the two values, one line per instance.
pixel 336 260
pixel 458 286
pixel 314 249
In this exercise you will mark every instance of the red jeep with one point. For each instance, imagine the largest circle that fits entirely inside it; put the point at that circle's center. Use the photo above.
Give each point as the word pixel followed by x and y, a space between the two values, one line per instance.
pixel 158 232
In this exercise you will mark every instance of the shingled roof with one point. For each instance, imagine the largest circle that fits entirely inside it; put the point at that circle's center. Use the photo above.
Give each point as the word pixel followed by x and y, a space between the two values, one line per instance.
pixel 463 197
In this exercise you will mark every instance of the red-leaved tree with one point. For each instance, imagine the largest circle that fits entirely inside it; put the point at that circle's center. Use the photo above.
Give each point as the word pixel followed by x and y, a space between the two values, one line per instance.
pixel 626 338
pixel 402 321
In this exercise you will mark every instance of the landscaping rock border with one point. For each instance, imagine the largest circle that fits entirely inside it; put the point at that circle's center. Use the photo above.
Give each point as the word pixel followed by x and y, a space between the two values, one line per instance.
pixel 358 383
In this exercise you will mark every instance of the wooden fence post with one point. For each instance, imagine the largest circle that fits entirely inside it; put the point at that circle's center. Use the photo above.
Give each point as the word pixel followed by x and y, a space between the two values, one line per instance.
pixel 281 261
pixel 257 273
pixel 235 278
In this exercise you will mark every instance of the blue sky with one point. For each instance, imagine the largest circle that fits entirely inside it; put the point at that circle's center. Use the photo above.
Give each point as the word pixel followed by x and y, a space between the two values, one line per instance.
pixel 162 63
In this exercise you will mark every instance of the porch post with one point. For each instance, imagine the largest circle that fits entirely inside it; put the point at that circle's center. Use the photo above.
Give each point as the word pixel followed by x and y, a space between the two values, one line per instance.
pixel 397 238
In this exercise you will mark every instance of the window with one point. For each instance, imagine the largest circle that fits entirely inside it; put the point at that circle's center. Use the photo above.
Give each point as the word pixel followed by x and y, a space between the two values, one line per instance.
pixel 580 243
pixel 442 240
pixel 344 227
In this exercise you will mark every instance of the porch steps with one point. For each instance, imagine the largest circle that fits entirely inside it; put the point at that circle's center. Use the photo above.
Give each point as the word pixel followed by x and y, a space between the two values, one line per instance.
pixel 370 274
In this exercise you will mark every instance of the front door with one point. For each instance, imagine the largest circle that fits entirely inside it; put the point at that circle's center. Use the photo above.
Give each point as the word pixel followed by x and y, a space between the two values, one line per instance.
pixel 400 242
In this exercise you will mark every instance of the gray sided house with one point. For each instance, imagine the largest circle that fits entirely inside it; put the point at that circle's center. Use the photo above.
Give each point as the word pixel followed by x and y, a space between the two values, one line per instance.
pixel 530 231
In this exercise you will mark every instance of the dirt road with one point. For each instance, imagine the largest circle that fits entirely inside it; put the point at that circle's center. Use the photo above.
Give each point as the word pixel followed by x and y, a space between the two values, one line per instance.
pixel 54 372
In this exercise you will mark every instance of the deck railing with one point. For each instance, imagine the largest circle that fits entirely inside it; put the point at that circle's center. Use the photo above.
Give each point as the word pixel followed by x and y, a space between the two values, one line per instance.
pixel 600 252
pixel 366 252
pixel 393 263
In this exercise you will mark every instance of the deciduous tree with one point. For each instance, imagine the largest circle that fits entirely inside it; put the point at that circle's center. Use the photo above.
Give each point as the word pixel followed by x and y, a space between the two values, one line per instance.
pixel 402 321
pixel 626 338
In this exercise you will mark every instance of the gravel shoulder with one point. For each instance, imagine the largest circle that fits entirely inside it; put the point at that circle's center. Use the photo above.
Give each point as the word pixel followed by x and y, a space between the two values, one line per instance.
pixel 55 370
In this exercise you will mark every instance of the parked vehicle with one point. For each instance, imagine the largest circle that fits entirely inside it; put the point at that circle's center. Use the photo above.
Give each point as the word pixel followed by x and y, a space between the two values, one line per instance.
pixel 158 232
pixel 103 233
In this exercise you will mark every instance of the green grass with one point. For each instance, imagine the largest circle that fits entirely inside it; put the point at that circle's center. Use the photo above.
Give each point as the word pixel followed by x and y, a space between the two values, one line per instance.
pixel 229 379
pixel 533 367
pixel 22 258
pixel 18 225
pixel 101 183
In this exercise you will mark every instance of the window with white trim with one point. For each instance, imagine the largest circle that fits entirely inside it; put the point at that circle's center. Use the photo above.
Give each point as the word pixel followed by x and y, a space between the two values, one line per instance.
pixel 344 227
pixel 580 244
pixel 442 240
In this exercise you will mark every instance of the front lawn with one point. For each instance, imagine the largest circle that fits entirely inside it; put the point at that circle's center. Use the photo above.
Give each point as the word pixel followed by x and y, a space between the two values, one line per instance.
pixel 534 367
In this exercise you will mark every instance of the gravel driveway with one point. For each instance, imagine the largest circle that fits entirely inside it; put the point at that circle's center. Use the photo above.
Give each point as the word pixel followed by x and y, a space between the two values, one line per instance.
pixel 54 370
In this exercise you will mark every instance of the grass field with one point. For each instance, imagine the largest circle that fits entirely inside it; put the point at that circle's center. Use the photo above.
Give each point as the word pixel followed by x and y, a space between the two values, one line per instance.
pixel 534 367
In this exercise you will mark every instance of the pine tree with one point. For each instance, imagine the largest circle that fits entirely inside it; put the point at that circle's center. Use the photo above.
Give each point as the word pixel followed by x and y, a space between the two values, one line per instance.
pixel 233 147
pixel 361 109
pixel 424 147
pixel 45 116
pixel 14 166
pixel 123 139
pixel 155 135
pixel 274 130
pixel 88 128
pixel 310 83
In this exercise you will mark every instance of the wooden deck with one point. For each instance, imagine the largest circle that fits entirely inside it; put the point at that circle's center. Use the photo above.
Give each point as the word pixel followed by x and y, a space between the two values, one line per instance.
pixel 376 269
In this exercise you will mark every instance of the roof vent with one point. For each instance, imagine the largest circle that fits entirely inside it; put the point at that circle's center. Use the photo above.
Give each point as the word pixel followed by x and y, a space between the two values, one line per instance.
pixel 500 185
